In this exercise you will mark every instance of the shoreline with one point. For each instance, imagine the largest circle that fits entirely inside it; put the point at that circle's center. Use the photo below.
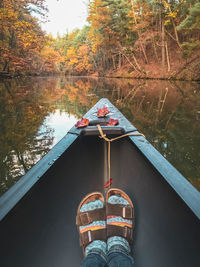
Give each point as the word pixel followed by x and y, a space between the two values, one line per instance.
pixel 8 77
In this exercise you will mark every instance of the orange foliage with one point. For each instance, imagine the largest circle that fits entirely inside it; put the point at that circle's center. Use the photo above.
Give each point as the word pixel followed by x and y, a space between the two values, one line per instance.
pixel 21 35
pixel 71 56
pixel 83 63
pixel 98 16
pixel 51 59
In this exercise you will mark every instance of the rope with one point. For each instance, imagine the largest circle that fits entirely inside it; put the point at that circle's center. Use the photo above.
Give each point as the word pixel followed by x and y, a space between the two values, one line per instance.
pixel 103 136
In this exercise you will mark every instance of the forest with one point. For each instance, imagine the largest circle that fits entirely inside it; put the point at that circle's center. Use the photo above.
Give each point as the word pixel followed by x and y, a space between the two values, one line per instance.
pixel 122 38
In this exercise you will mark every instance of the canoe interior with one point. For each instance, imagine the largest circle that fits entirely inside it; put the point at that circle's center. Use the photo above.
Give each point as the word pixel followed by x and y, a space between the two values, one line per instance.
pixel 40 230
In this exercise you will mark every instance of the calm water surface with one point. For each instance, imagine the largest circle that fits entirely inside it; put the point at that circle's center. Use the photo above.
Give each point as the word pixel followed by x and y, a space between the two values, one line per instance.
pixel 37 112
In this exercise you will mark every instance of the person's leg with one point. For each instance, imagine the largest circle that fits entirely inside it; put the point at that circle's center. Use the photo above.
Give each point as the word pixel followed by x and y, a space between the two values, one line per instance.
pixel 92 230
pixel 117 257
pixel 119 211
pixel 94 259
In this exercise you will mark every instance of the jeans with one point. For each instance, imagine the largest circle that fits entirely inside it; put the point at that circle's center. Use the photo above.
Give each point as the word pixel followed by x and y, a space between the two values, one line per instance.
pixel 115 258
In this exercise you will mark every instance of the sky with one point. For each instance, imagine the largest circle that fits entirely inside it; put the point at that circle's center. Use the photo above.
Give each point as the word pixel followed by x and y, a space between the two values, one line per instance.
pixel 65 15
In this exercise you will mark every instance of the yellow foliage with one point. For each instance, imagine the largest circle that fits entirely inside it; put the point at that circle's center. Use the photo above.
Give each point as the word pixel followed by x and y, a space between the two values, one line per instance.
pixel 71 56
pixel 167 21
pixel 50 59
pixel 21 36
pixel 83 62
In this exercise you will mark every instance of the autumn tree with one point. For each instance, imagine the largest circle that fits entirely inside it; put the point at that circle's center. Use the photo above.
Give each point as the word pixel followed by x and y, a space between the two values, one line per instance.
pixel 83 65
pixel 101 35
pixel 21 35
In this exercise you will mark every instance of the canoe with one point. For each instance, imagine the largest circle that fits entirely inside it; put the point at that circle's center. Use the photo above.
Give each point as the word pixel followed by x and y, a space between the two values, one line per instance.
pixel 37 227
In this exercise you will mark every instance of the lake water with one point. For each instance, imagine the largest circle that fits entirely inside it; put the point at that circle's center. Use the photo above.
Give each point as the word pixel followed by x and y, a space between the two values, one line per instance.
pixel 37 112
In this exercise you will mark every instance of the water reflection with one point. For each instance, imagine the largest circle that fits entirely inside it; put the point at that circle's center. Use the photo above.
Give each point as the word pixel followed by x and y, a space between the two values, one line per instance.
pixel 60 122
pixel 36 113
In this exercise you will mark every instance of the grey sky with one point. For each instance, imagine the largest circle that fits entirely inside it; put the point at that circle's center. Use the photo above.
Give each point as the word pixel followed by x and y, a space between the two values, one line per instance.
pixel 65 15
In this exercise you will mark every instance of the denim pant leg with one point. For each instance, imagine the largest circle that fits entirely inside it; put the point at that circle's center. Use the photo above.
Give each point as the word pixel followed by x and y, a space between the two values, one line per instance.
pixel 117 257
pixel 94 259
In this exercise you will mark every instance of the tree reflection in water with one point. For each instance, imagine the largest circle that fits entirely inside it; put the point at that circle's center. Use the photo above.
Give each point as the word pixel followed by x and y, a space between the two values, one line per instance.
pixel 23 109
pixel 166 112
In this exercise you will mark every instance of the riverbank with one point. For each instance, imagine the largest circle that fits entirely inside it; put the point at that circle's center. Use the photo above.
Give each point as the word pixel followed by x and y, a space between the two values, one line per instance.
pixel 180 69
